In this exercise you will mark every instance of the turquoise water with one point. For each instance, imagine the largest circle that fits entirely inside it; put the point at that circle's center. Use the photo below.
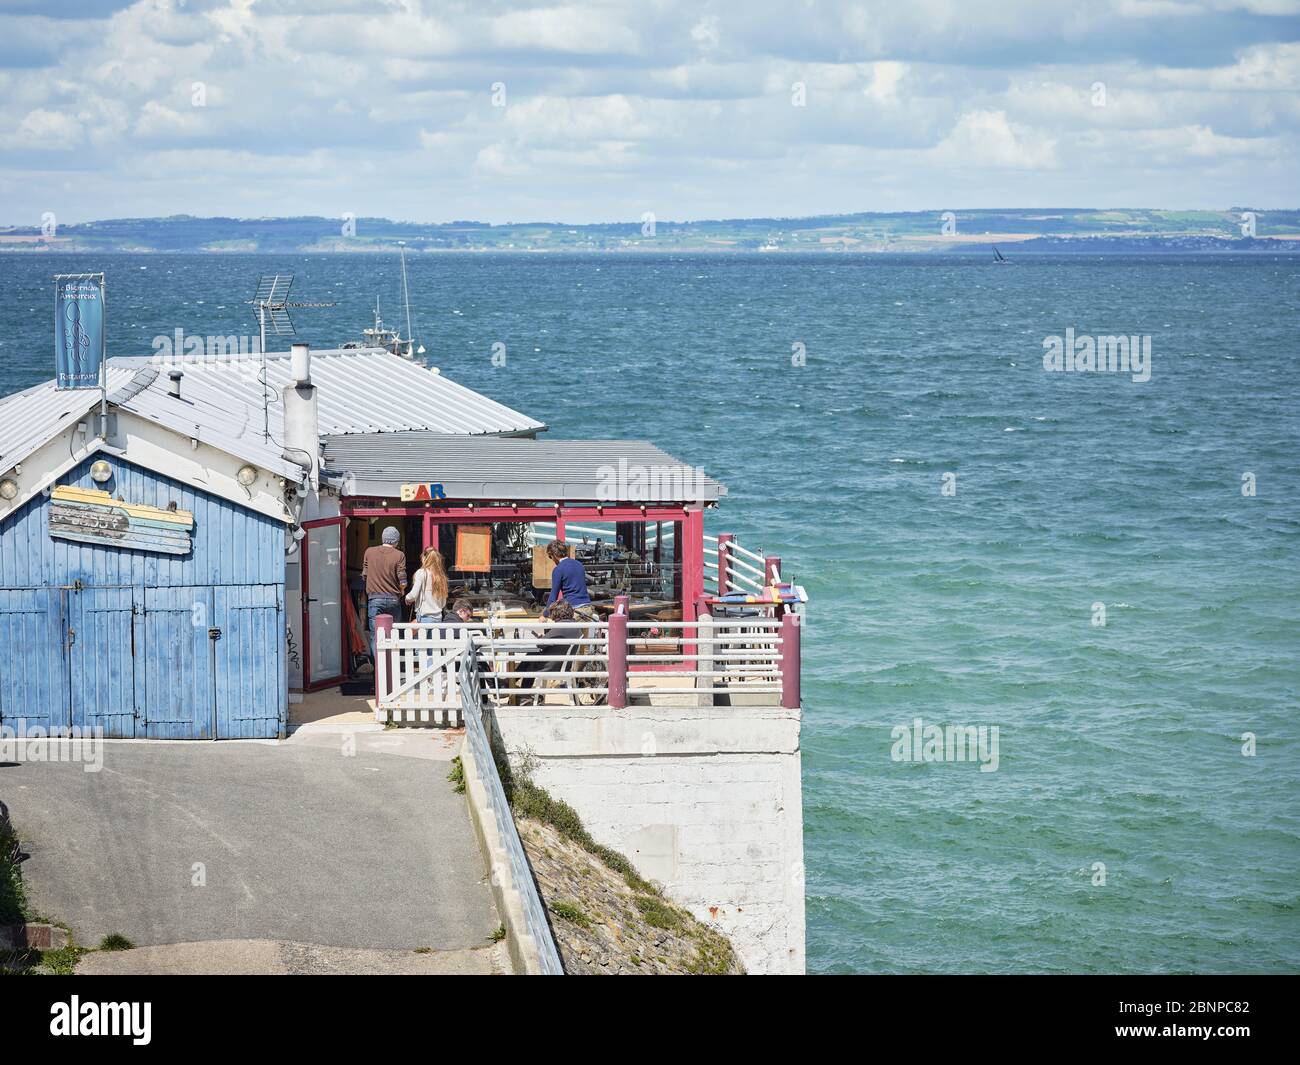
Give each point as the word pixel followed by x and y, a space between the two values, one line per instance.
pixel 1118 744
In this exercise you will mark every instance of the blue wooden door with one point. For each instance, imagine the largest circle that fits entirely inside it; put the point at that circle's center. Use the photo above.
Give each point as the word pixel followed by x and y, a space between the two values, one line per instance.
pixel 251 695
pixel 101 659
pixel 33 676
pixel 177 702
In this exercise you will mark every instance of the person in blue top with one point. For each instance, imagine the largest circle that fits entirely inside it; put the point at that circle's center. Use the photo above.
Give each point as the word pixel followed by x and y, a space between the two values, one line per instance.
pixel 568 578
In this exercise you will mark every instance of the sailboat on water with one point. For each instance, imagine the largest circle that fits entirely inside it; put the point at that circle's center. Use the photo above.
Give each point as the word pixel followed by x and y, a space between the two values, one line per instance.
pixel 382 336
pixel 998 257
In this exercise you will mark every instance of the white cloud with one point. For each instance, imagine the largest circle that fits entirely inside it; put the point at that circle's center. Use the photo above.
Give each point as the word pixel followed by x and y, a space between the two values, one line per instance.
pixel 987 139
pixel 48 131
pixel 904 103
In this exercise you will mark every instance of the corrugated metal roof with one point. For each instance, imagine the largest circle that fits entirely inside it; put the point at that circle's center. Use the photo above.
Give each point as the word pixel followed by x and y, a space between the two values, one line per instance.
pixel 210 412
pixel 498 468
pixel 31 417
pixel 361 390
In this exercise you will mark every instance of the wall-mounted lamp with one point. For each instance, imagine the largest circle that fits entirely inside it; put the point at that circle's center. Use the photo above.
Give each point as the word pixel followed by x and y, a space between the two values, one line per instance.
pixel 8 488
pixel 101 471
pixel 246 476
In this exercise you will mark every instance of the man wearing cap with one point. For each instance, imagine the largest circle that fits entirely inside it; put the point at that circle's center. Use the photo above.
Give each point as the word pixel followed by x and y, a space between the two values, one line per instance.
pixel 383 568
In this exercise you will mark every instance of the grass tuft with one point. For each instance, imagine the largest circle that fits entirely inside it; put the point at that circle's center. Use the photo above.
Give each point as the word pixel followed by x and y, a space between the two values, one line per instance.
pixel 116 941
pixel 570 911
pixel 13 899
pixel 658 914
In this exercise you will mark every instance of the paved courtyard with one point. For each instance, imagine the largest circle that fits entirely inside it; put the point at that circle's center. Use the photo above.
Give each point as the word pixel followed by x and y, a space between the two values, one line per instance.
pixel 343 838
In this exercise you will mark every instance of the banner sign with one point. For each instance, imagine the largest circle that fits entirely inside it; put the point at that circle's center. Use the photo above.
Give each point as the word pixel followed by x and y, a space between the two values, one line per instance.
pixel 78 330
pixel 89 516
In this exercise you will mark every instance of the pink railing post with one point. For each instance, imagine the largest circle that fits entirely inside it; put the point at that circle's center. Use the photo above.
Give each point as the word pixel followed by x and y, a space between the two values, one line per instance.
pixel 771 574
pixel 771 567
pixel 383 625
pixel 790 662
pixel 617 656
pixel 724 561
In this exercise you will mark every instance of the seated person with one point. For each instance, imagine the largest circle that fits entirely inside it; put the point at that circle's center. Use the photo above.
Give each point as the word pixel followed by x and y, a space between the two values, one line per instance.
pixel 461 612
pixel 563 625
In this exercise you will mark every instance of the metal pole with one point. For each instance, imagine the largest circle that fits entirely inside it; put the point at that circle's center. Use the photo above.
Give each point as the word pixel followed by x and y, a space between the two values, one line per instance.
pixel 406 293
pixel 103 362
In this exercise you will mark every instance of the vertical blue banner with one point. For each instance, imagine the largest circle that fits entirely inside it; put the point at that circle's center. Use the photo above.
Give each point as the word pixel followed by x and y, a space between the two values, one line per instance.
pixel 78 331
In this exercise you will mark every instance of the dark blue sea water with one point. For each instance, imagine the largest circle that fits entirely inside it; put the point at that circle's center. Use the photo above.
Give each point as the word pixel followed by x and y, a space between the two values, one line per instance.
pixel 1119 744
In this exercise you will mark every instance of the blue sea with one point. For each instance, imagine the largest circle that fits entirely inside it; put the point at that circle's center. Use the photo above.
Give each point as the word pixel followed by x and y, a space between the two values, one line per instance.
pixel 1124 829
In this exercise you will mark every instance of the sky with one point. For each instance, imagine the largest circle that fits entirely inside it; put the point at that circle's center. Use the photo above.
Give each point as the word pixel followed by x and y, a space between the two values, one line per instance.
pixel 428 111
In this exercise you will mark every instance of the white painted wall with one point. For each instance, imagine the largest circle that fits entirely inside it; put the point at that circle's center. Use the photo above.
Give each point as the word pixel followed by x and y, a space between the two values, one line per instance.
pixel 705 800
pixel 156 448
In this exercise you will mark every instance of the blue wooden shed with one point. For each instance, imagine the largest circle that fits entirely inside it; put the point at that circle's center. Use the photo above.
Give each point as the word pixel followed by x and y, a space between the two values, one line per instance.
pixel 165 542
pixel 137 642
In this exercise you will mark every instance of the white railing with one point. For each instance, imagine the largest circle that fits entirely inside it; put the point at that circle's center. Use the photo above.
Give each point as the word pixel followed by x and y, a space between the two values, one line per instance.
pixel 745 571
pixel 591 664
pixel 477 739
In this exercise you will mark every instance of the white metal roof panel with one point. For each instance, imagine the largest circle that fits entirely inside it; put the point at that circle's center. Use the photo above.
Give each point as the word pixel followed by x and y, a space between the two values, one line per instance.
pixel 361 390
pixel 31 417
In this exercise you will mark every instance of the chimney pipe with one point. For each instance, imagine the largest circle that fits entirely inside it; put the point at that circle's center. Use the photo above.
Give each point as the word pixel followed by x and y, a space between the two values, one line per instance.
pixel 301 418
pixel 174 387
pixel 300 363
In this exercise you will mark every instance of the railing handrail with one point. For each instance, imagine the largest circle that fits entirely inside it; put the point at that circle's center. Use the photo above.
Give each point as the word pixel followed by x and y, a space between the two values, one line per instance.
pixel 521 872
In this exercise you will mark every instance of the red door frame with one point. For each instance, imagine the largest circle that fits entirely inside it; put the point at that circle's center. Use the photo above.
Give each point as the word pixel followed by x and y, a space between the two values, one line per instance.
pixel 305 567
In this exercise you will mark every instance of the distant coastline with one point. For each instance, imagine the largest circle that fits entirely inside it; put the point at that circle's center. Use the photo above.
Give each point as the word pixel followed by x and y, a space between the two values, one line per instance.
pixel 1017 232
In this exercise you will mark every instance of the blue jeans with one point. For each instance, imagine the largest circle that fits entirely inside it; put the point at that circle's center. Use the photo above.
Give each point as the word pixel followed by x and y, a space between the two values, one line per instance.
pixel 381 604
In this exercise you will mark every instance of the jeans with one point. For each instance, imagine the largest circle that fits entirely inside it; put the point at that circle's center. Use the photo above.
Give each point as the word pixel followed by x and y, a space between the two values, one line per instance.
pixel 381 604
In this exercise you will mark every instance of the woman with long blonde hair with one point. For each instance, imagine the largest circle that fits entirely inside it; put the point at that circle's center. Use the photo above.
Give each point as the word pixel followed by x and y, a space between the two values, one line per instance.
pixel 429 589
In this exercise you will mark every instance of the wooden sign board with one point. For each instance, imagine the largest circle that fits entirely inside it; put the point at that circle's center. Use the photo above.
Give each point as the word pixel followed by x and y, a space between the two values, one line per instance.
pixel 543 567
pixel 89 516
pixel 474 548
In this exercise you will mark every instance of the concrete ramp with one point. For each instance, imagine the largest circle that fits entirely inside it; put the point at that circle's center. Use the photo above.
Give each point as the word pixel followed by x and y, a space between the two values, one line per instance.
pixel 348 838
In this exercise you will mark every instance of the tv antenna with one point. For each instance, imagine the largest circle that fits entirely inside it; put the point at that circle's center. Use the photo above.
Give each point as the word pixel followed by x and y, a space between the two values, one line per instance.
pixel 271 304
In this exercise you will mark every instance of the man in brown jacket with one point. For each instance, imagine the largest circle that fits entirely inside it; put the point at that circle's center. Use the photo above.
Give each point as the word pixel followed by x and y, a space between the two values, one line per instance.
pixel 383 569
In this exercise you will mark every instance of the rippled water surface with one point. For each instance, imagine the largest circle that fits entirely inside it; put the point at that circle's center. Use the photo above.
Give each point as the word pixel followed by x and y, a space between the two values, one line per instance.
pixel 1119 744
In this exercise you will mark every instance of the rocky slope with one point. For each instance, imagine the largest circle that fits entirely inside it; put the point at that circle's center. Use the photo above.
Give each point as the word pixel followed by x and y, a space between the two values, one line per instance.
pixel 606 926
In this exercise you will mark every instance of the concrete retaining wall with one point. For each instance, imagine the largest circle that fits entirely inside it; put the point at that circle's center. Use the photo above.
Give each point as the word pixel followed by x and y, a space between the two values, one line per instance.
pixel 705 800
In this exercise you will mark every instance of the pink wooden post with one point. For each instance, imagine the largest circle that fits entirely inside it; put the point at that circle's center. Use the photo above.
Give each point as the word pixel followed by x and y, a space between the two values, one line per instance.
pixel 771 567
pixel 384 625
pixel 724 561
pixel 617 655
pixel 790 659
